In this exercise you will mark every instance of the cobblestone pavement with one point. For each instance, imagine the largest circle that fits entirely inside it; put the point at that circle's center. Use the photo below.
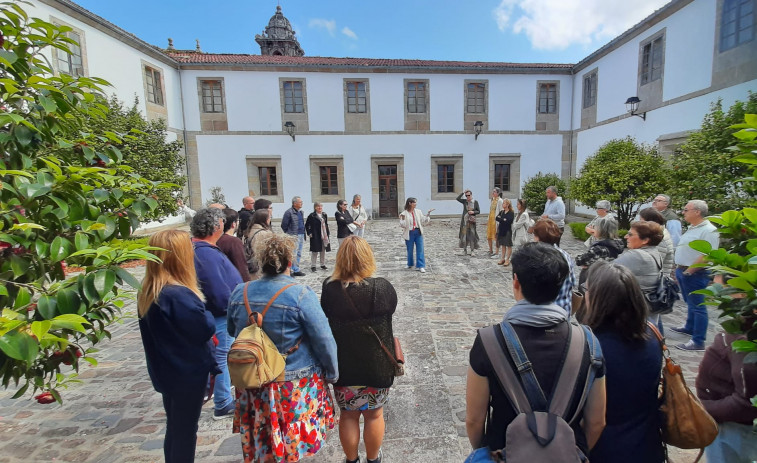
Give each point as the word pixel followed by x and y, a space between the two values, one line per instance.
pixel 116 416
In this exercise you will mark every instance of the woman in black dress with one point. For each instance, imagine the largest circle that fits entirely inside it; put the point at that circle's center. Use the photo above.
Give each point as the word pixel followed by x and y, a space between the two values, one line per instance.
pixel 343 221
pixel 359 308
pixel 617 312
pixel 317 229
pixel 504 231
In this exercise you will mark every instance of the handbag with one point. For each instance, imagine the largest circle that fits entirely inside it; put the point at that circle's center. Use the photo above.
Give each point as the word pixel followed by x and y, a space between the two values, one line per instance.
pixel 660 300
pixel 398 358
pixel 578 306
pixel 685 422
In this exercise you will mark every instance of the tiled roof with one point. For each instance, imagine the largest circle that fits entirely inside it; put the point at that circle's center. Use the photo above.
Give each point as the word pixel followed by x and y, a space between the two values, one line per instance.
pixel 318 61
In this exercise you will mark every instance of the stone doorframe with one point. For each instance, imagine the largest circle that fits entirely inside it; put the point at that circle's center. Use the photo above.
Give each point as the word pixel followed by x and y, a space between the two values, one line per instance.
pixel 387 159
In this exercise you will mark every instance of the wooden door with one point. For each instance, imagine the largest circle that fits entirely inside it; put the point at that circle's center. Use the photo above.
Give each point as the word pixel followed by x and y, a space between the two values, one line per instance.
pixel 387 181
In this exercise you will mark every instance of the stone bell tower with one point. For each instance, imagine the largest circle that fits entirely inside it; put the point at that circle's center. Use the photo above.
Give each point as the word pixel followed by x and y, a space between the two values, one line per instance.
pixel 278 37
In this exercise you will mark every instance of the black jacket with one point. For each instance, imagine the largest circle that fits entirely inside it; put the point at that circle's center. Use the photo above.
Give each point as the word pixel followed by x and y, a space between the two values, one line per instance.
pixel 313 230
pixel 342 220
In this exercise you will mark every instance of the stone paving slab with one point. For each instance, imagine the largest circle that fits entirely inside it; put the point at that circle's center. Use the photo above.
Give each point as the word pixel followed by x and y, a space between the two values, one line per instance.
pixel 115 416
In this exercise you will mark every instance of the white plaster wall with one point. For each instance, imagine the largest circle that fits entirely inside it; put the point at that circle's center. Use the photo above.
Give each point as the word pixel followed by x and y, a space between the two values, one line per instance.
pixel 446 102
pixel 686 115
pixel 689 47
pixel 388 101
pixel 512 102
pixel 325 100
pixel 538 153
pixel 119 64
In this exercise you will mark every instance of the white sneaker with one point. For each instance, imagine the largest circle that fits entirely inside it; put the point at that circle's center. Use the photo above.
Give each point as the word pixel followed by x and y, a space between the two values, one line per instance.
pixel 408 266
pixel 494 256
pixel 422 270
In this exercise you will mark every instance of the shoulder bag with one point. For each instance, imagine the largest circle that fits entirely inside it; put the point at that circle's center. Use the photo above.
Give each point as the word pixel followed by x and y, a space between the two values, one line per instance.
pixel 685 422
pixel 661 299
pixel 398 357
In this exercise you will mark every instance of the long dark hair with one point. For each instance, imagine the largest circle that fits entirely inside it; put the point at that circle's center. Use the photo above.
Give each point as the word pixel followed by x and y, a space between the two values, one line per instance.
pixel 523 203
pixel 409 200
pixel 616 302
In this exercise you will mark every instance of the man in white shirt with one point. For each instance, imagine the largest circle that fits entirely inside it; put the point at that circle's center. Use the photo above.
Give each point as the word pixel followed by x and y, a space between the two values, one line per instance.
pixel 554 209
pixel 694 278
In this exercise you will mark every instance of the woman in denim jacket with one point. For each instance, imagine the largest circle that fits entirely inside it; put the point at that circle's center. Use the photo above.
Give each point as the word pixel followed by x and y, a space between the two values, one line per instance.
pixel 271 419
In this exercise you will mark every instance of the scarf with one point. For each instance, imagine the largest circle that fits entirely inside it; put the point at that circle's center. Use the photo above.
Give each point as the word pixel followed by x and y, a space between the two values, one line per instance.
pixel 324 235
pixel 538 316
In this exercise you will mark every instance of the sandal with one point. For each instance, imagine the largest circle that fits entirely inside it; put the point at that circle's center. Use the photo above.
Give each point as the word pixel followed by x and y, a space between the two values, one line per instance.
pixel 507 262
pixel 502 262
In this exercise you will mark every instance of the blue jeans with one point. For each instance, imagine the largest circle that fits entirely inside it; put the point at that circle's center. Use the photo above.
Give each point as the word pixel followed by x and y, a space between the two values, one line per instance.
pixel 416 239
pixel 222 392
pixel 296 263
pixel 696 319
pixel 734 443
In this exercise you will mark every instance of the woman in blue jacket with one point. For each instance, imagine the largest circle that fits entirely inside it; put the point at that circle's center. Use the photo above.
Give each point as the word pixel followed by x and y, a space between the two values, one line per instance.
pixel 177 335
pixel 288 420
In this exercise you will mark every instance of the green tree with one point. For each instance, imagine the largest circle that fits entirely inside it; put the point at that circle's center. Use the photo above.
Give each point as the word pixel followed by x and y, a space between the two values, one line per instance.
pixel 144 149
pixel 626 173
pixel 534 188
pixel 703 167
pixel 59 198
pixel 734 290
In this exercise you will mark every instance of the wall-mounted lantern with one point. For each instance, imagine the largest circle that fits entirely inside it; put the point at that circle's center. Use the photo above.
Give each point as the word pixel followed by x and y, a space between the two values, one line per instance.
pixel 477 128
pixel 632 104
pixel 289 126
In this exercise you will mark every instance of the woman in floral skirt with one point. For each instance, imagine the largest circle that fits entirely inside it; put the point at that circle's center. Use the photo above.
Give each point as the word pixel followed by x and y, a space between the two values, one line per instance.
pixel 285 421
pixel 359 308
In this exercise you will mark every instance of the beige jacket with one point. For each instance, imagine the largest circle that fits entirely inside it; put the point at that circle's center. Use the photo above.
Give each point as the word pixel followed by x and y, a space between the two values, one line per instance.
pixel 406 222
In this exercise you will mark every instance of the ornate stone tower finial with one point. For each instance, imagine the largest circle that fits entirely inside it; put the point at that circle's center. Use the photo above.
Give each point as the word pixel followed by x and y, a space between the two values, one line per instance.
pixel 170 44
pixel 278 37
pixel 197 48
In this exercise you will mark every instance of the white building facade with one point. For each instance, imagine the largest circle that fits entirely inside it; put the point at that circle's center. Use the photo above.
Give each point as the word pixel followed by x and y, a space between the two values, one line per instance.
pixel 328 128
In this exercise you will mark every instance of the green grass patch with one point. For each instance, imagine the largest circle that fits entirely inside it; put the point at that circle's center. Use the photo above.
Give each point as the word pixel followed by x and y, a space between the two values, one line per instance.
pixel 578 229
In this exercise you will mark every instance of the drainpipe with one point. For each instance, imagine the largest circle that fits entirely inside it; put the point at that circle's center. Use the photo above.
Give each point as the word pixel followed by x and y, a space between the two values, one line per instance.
pixel 572 134
pixel 184 136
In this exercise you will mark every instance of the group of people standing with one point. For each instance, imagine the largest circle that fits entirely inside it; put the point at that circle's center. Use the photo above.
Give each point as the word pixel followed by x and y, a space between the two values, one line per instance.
pixel 345 339
pixel 194 303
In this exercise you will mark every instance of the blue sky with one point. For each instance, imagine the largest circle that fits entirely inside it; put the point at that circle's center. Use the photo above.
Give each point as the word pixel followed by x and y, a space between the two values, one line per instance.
pixel 553 31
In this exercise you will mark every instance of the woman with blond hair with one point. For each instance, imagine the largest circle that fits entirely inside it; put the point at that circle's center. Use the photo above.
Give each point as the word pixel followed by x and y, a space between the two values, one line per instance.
pixel 495 207
pixel 288 420
pixel 359 308
pixel 177 335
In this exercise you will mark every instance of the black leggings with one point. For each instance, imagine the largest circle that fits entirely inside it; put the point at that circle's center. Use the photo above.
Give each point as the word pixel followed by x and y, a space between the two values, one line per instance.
pixel 183 408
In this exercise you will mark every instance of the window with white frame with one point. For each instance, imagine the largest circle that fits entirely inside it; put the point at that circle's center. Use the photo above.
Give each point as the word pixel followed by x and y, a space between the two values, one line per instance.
pixel 416 97
pixel 652 54
pixel 356 97
pixel 154 86
pixel 476 98
pixel 736 24
pixel 547 98
pixel 590 90
pixel 212 96
pixel 71 63
pixel 294 101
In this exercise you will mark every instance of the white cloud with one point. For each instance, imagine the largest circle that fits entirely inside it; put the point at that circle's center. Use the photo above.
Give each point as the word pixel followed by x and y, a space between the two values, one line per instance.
pixel 330 26
pixel 558 24
pixel 349 33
